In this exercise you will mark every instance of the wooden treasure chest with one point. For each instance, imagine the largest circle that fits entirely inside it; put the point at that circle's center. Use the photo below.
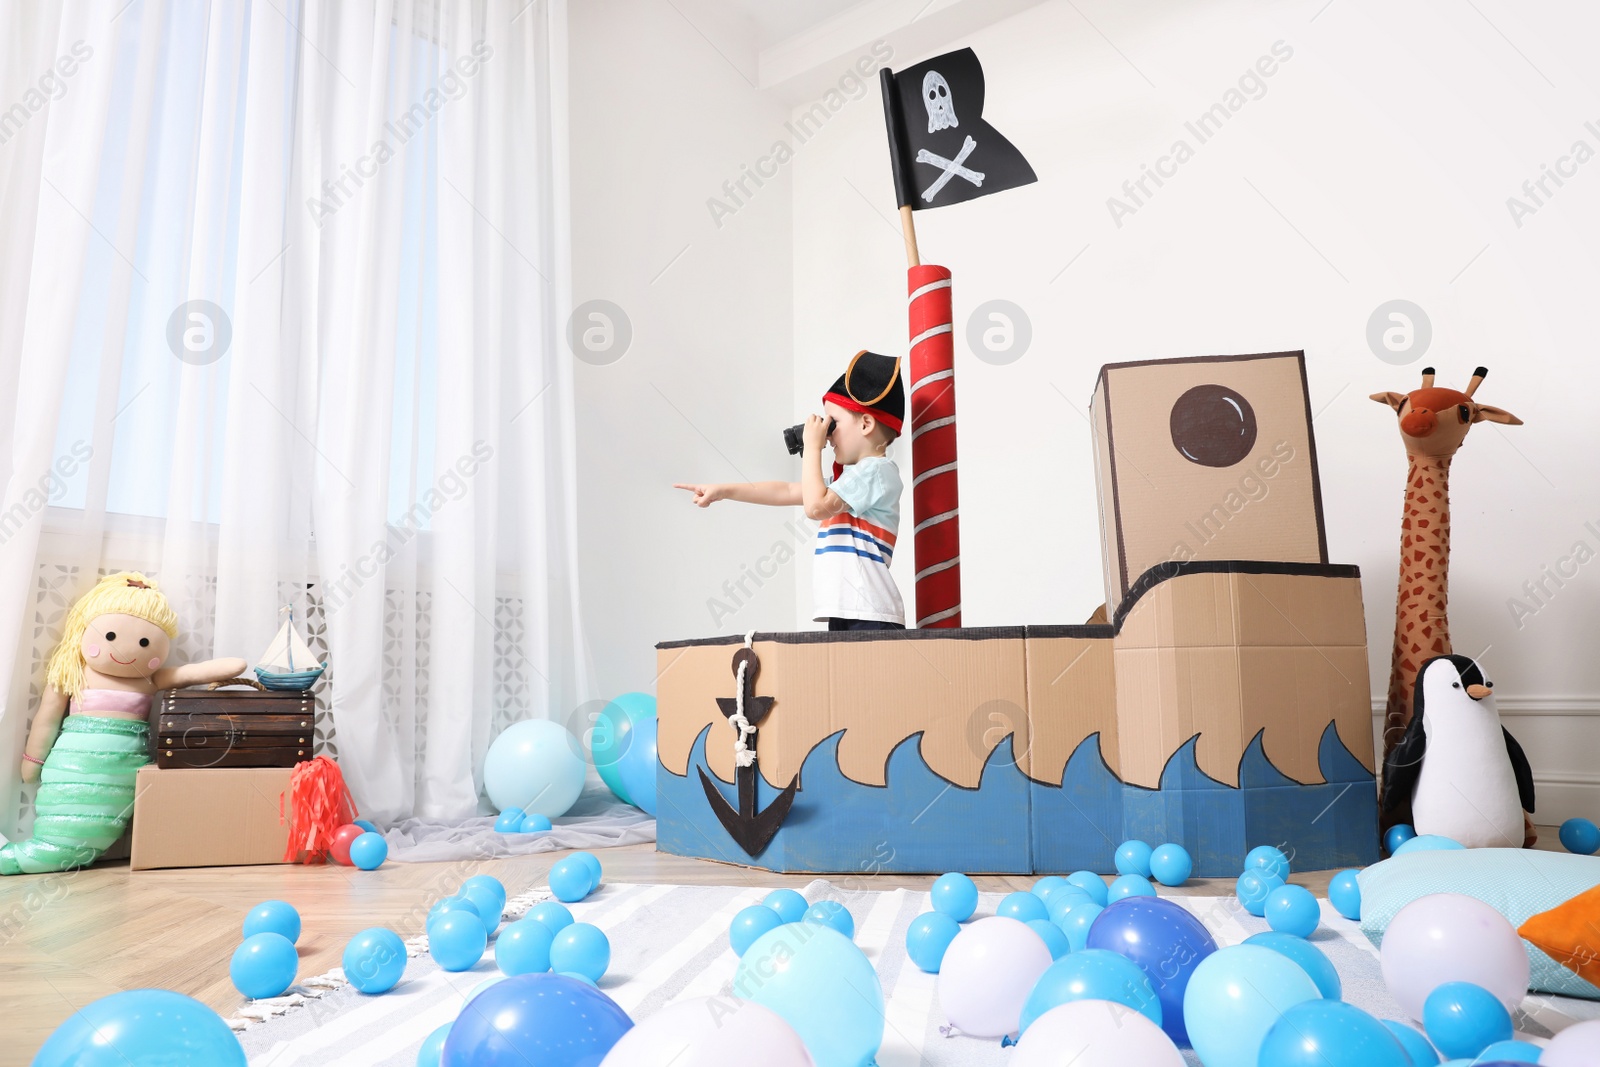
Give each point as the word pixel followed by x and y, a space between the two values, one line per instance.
pixel 233 728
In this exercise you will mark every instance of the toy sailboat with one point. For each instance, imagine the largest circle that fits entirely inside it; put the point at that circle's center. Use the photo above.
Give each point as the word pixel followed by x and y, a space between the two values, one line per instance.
pixel 288 662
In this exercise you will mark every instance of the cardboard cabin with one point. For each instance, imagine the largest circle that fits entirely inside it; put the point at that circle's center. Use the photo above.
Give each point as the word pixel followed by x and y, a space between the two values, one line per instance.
pixel 1219 699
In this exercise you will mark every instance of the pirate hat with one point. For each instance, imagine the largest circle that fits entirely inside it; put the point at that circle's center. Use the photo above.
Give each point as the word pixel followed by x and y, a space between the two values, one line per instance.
pixel 871 385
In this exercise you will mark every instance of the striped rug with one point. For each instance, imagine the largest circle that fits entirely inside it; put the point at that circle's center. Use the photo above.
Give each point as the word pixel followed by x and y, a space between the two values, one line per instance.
pixel 670 942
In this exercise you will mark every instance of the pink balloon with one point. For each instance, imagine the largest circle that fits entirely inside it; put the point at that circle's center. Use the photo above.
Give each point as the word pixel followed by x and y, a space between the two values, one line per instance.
pixel 1095 1033
pixel 1576 1046
pixel 988 972
pixel 710 1032
pixel 1448 937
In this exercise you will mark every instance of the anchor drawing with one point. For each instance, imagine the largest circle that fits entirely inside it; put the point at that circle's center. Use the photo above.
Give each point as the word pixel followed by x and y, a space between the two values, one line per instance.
pixel 749 827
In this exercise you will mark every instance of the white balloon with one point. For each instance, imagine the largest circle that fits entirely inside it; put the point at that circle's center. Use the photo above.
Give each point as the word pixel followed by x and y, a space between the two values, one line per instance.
pixel 710 1032
pixel 988 972
pixel 1576 1046
pixel 1448 937
pixel 1095 1033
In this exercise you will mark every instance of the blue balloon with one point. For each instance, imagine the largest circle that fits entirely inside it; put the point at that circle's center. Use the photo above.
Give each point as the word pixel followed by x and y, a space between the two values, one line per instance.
pixel 368 851
pixel 1130 885
pixel 790 906
pixel 570 880
pixel 637 766
pixel 484 899
pixel 1269 859
pixel 523 947
pixel 1417 1047
pixel 1429 843
pixel 151 1026
pixel 1331 1033
pixel 533 823
pixel 1090 883
pixel 1077 923
pixel 1064 898
pixel 1171 864
pixel 264 965
pixel 1052 936
pixel 956 895
pixel 1344 893
pixel 456 940
pixel 458 904
pixel 591 864
pixel 1165 940
pixel 822 985
pixel 927 938
pixel 1047 885
pixel 535 765
pixel 581 948
pixel 510 821
pixel 1510 1052
pixel 366 825
pixel 1133 857
pixel 1253 888
pixel 1291 909
pixel 1023 907
pixel 1581 836
pixel 750 924
pixel 1307 955
pixel 1463 1019
pixel 374 960
pixel 832 914
pixel 1398 835
pixel 273 917
pixel 575 976
pixel 1235 996
pixel 490 883
pixel 432 1047
pixel 615 731
pixel 550 915
pixel 546 1019
pixel 1093 974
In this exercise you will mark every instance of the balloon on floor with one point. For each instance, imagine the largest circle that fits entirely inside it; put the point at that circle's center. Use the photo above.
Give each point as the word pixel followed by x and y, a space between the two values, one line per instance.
pixel 534 765
pixel 142 1026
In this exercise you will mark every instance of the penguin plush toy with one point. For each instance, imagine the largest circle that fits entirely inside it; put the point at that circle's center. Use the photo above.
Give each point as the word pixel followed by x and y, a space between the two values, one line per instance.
pixel 1464 774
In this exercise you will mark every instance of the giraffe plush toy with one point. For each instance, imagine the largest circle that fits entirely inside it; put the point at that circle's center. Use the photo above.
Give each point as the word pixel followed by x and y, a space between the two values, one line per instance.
pixel 1433 424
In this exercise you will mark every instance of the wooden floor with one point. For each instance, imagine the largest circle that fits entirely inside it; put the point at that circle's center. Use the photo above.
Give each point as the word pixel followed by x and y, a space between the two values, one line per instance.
pixel 69 939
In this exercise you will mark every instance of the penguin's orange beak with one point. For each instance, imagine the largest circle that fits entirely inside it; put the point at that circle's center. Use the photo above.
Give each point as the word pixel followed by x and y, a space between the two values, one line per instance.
pixel 1478 692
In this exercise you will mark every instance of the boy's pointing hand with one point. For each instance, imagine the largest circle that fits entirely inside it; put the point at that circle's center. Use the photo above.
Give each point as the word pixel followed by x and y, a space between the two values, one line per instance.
pixel 705 495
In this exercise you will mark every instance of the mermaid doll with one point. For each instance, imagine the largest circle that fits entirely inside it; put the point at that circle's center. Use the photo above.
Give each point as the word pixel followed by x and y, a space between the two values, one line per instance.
pixel 108 667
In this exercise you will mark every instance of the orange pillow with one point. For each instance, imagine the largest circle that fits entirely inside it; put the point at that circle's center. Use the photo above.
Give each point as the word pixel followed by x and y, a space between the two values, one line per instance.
pixel 1570 934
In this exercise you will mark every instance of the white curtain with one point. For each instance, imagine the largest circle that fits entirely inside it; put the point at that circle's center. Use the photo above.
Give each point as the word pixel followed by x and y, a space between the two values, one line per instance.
pixel 281 294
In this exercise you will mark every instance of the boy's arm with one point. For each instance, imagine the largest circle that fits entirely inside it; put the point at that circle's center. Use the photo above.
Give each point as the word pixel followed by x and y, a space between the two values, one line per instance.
pixel 776 494
pixel 820 501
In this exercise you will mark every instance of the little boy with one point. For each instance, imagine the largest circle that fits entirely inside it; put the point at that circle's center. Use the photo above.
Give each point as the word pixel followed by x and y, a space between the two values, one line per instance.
pixel 858 504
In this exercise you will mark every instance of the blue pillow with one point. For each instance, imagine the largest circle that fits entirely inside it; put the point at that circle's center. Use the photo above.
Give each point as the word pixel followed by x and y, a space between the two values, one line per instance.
pixel 1518 883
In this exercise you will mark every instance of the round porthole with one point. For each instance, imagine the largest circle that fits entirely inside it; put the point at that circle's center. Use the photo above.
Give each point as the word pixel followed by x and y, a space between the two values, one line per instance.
pixel 1213 426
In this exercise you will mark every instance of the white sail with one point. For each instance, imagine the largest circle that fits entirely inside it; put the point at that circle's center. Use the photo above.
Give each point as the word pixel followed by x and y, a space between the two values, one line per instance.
pixel 288 652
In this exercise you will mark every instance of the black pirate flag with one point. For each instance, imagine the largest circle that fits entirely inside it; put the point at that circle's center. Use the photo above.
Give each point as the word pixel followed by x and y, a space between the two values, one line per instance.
pixel 941 149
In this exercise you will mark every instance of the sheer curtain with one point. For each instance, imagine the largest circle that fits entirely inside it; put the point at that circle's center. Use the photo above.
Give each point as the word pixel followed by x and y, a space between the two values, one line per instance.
pixel 281 287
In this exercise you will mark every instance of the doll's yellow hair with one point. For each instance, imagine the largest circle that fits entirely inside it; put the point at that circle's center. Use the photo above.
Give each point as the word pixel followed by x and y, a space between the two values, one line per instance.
pixel 128 593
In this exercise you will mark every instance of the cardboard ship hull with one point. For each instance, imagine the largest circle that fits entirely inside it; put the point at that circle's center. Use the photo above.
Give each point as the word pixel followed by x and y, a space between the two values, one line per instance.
pixel 1226 705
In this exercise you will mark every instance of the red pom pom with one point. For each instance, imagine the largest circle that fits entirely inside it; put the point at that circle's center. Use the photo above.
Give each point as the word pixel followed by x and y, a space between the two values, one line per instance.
pixel 318 805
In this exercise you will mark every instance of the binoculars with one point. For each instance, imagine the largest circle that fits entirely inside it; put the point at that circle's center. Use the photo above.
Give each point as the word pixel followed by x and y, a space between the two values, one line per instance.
pixel 794 437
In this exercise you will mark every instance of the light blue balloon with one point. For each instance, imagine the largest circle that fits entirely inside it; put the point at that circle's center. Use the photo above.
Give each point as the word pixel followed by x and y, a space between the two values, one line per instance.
pixel 1047 885
pixel 1330 1033
pixel 1291 909
pixel 367 825
pixel 927 938
pixel 1092 884
pixel 1398 835
pixel 533 823
pixel 1510 1052
pixel 1429 843
pixel 1272 860
pixel 1235 996
pixel 613 737
pixel 956 895
pixel 368 851
pixel 637 767
pixel 489 883
pixel 273 917
pixel 456 940
pixel 585 979
pixel 1307 955
pixel 152 1026
pixel 1023 907
pixel 1171 864
pixel 550 915
pixel 374 960
pixel 1092 974
pixel 570 880
pixel 264 965
pixel 1463 1019
pixel 1344 893
pixel 750 924
pixel 1254 887
pixel 822 985
pixel 1077 921
pixel 523 947
pixel 591 863
pixel 1052 936
pixel 790 906
pixel 433 1047
pixel 1417 1047
pixel 1133 857
pixel 510 821
pixel 1130 885
pixel 456 904
pixel 832 914
pixel 581 948
pixel 534 765
pixel 1068 896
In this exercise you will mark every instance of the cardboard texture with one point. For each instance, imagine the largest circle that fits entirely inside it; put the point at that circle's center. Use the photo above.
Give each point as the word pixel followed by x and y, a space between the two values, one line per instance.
pixel 212 817
pixel 1223 704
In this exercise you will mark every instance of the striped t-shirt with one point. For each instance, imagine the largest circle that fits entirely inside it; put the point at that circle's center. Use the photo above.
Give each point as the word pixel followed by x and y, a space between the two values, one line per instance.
pixel 851 579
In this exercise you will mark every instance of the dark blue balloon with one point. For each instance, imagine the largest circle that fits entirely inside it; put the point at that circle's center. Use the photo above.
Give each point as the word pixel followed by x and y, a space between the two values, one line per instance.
pixel 543 1019
pixel 1331 1033
pixel 1167 943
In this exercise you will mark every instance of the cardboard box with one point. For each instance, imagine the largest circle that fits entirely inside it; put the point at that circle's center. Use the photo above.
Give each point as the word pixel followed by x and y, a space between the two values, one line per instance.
pixel 208 817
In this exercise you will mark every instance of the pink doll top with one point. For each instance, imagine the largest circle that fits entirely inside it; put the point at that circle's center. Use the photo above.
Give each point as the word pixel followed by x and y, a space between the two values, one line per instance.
pixel 119 702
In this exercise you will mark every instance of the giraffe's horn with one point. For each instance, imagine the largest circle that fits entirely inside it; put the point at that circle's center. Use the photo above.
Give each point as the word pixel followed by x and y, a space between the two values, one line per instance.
pixel 1427 377
pixel 1477 379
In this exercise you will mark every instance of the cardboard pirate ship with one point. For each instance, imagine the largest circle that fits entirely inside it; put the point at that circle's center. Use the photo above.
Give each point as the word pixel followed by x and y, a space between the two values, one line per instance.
pixel 1219 699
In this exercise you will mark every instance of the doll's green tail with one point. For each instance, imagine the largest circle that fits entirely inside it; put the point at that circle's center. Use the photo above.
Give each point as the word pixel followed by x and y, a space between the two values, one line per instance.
pixel 85 795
